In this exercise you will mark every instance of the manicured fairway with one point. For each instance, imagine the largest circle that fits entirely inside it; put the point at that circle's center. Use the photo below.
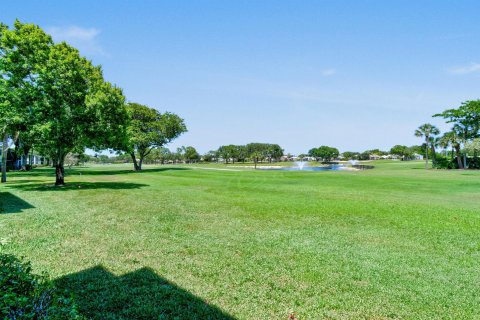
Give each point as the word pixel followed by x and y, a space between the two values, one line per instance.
pixel 392 242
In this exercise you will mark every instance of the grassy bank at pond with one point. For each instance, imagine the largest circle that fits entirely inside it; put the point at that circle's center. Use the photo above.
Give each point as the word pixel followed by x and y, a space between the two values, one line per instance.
pixel 393 242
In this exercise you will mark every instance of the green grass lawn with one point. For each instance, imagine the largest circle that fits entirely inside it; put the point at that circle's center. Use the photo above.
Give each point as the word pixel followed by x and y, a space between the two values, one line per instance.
pixel 393 242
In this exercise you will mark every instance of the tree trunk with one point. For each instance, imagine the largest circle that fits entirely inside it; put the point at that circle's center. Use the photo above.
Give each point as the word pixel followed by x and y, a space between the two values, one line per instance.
pixel 140 163
pixel 25 157
pixel 459 157
pixel 426 153
pixel 60 171
pixel 4 157
pixel 135 164
pixel 59 175
pixel 465 160
pixel 434 155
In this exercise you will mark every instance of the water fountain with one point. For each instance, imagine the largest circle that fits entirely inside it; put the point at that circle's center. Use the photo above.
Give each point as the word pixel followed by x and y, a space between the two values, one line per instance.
pixel 300 164
pixel 305 166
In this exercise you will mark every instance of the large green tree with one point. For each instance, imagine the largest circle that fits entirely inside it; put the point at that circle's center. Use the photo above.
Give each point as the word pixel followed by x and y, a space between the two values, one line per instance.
pixel 260 151
pixel 50 93
pixel 426 131
pixel 325 153
pixel 274 152
pixel 78 108
pixel 230 152
pixel 150 129
pixel 23 50
pixel 466 123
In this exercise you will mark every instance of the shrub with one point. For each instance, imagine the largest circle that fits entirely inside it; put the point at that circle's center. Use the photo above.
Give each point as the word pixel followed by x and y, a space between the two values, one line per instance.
pixel 445 163
pixel 24 295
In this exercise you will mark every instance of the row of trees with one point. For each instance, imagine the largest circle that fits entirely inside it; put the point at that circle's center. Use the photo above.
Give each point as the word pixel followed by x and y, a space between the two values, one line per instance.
pixel 324 153
pixel 463 138
pixel 254 151
pixel 57 101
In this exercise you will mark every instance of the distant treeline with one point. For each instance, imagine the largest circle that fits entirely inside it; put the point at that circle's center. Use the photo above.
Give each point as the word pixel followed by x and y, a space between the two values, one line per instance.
pixel 252 152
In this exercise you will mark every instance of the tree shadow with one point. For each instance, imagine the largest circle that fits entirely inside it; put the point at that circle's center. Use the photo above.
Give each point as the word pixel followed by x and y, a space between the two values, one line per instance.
pixel 10 203
pixel 78 186
pixel 95 172
pixel 88 171
pixel 37 172
pixel 141 294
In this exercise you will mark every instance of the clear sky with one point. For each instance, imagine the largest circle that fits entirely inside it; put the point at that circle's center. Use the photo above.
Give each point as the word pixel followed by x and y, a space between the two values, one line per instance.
pixel 351 74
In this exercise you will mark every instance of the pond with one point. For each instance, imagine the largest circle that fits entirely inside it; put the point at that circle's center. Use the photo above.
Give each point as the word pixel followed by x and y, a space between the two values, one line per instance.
pixel 308 168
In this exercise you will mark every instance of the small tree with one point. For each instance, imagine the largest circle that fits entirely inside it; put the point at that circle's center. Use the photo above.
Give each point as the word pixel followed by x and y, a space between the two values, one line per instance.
pixel 191 154
pixel 426 130
pixel 401 151
pixel 256 156
pixel 150 129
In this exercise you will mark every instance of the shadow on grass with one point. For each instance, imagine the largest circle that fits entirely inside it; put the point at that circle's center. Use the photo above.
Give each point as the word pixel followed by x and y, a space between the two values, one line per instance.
pixel 78 186
pixel 97 172
pixel 142 294
pixel 89 171
pixel 10 203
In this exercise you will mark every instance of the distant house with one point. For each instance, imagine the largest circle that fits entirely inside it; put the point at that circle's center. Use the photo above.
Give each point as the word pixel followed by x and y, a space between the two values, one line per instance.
pixel 374 157
pixel 19 162
pixel 390 157
pixel 417 156
pixel 31 160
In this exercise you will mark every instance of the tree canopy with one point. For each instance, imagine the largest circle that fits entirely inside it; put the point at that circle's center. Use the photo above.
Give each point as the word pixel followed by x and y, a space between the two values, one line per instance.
pixel 57 96
pixel 325 153
pixel 149 129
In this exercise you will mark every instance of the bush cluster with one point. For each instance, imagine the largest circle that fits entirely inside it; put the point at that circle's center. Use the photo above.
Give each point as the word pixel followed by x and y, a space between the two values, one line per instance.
pixel 24 295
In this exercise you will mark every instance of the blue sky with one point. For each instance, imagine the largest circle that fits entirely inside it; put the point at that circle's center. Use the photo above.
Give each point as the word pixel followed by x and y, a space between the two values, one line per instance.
pixel 351 74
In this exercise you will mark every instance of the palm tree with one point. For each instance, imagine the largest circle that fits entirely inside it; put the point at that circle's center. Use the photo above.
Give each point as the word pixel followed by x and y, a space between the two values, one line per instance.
pixel 451 139
pixel 426 130
pixel 445 141
pixel 434 144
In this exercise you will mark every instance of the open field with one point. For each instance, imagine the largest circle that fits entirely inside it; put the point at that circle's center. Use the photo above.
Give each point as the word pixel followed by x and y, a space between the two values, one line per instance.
pixel 393 242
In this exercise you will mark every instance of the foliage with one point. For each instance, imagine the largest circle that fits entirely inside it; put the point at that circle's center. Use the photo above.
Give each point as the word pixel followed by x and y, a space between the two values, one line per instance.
pixel 57 96
pixel 22 50
pixel 149 129
pixel 401 151
pixel 229 152
pixel 466 117
pixel 79 109
pixel 427 130
pixel 444 163
pixel 324 153
pixel 24 295
pixel 191 154
pixel 473 146
pixel 210 156
pixel 260 151
pixel 350 155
